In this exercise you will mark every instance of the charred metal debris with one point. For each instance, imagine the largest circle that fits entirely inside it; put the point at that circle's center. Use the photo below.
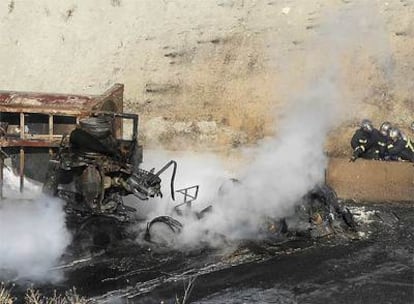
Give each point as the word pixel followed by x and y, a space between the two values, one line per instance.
pixel 85 150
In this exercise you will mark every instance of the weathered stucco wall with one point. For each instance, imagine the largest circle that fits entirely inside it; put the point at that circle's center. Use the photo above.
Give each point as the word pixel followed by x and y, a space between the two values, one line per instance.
pixel 372 181
pixel 211 73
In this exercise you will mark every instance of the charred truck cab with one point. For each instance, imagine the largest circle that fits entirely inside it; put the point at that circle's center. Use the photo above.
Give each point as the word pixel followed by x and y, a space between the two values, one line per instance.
pixel 79 148
pixel 92 168
pixel 33 124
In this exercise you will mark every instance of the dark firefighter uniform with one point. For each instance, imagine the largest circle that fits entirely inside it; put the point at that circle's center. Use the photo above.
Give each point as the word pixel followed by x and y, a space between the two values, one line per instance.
pixel 368 145
pixel 382 144
pixel 401 149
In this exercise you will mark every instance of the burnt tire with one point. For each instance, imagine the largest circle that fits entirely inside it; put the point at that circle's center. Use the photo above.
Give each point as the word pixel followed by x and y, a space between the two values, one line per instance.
pixel 163 230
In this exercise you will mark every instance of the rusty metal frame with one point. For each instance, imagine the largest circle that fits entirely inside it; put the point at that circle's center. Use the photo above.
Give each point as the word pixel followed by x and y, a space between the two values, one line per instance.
pixel 190 194
pixel 51 104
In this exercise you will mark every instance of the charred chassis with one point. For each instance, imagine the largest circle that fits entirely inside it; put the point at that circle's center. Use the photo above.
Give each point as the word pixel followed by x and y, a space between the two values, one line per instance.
pixel 93 170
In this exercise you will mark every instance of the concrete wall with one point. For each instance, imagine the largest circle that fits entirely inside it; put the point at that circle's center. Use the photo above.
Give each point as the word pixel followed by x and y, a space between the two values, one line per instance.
pixel 369 180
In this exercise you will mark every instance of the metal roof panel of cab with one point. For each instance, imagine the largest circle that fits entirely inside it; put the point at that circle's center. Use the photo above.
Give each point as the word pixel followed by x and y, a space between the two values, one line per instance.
pixel 47 102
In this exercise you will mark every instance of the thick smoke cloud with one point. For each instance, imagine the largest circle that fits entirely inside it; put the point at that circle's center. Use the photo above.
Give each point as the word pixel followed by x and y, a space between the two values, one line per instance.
pixel 33 234
pixel 284 168
pixel 281 170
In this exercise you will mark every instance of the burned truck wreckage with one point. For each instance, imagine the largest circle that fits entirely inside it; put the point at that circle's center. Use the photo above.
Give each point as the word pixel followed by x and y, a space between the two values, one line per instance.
pixel 92 170
pixel 91 165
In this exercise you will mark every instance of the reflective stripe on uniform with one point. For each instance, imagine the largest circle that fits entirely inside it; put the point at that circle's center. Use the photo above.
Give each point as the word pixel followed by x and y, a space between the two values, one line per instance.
pixel 381 144
pixel 390 146
pixel 362 148
pixel 363 141
pixel 409 144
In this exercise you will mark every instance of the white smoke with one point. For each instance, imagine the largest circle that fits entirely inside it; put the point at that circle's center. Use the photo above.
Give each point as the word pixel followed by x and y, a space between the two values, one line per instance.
pixel 33 235
pixel 204 169
pixel 281 171
pixel 284 168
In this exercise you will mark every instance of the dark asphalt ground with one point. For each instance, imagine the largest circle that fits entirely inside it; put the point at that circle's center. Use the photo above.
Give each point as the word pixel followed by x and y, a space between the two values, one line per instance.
pixel 376 269
pixel 379 269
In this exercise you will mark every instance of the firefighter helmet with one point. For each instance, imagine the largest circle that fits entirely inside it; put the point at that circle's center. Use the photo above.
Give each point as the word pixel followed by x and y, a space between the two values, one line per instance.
pixel 385 128
pixel 366 125
pixel 395 133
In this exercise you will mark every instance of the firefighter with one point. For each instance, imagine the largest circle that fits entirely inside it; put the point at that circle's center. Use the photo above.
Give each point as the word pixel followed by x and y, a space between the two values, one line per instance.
pixel 365 142
pixel 412 132
pixel 384 139
pixel 407 138
pixel 410 139
pixel 398 148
